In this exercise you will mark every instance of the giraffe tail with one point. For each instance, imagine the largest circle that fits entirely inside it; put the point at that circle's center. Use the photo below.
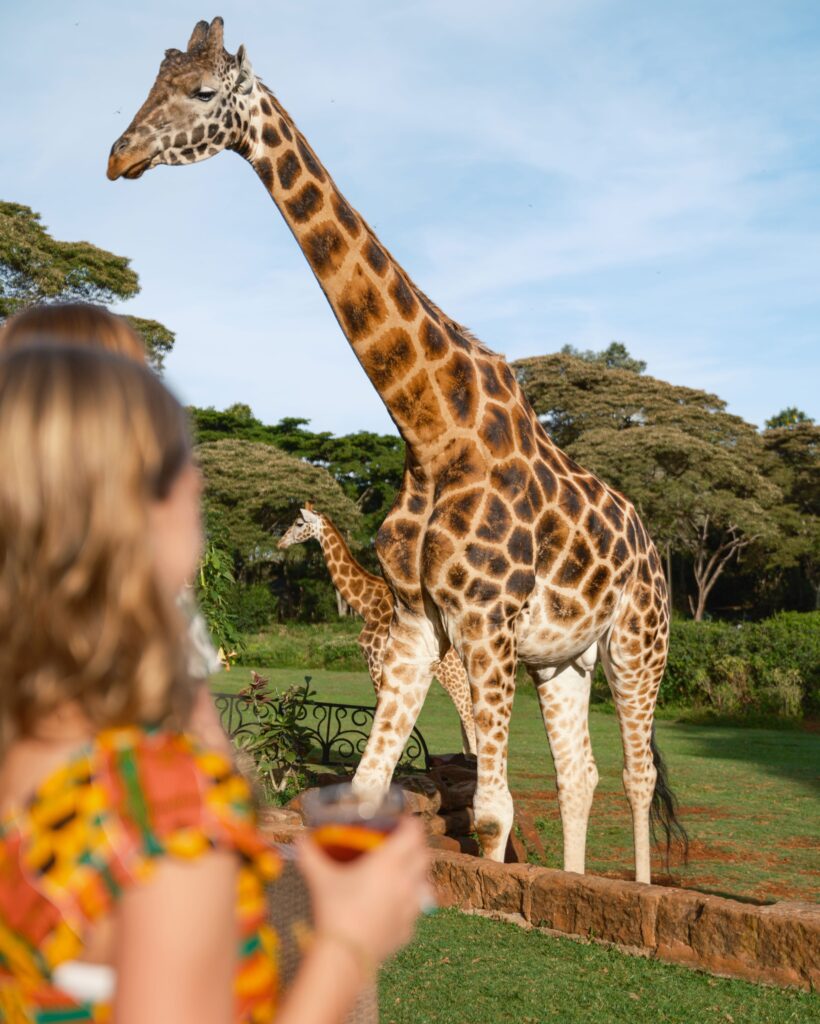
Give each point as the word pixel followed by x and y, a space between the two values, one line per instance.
pixel 663 812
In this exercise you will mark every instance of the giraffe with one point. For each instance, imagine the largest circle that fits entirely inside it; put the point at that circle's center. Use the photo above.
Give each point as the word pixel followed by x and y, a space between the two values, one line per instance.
pixel 498 543
pixel 369 596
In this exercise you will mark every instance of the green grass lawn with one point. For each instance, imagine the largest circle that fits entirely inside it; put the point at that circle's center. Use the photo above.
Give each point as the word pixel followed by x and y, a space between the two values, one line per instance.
pixel 749 797
pixel 463 969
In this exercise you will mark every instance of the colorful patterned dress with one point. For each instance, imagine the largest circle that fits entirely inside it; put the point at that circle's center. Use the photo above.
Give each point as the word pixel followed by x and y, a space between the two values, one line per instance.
pixel 98 825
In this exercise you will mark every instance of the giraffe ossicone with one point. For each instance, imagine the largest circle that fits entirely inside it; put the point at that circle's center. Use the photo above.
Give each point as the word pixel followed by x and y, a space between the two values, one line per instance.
pixel 498 545
pixel 369 596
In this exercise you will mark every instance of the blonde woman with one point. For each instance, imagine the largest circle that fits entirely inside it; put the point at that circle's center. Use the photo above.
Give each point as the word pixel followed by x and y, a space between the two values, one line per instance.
pixel 86 325
pixel 131 874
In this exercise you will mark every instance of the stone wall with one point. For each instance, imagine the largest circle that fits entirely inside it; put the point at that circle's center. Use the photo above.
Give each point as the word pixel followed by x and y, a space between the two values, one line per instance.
pixel 777 944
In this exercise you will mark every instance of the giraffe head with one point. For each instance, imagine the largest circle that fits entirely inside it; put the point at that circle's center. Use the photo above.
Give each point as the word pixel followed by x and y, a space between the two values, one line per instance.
pixel 308 526
pixel 198 105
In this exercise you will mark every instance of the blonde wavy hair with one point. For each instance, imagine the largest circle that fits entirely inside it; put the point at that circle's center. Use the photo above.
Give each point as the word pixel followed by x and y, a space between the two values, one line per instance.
pixel 72 323
pixel 90 440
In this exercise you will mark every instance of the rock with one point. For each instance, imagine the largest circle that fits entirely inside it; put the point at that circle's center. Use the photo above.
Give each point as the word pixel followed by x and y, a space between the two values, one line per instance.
pixel 274 816
pixel 468 845
pixel 458 760
pixel 448 776
pixel 458 796
pixel 789 943
pixel 455 885
pixel 420 803
pixel 460 822
pixel 434 825
pixel 777 944
pixel 473 884
pixel 603 908
pixel 283 833
pixel 443 843
pixel 421 794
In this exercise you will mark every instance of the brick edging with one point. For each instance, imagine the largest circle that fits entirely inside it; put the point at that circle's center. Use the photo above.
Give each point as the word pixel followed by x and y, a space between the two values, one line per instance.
pixel 778 944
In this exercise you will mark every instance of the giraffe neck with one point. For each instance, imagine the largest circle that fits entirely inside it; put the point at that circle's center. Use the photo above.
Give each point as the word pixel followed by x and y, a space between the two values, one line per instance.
pixel 363 591
pixel 424 366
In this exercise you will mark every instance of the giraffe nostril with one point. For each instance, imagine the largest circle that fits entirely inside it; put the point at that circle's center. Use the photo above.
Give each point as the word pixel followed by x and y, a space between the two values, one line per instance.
pixel 120 145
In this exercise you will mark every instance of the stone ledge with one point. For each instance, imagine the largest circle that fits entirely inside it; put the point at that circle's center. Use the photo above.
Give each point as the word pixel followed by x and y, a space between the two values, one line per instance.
pixel 777 944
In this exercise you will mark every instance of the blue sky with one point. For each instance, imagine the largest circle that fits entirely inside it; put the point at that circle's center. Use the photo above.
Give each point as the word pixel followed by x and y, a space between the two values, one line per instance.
pixel 549 171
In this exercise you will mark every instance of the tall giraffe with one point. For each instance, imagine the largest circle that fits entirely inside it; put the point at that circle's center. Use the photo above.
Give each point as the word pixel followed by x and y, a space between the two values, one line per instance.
pixel 369 596
pixel 498 543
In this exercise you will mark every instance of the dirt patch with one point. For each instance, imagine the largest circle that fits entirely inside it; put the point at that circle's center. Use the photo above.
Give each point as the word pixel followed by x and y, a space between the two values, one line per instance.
pixel 800 843
pixel 711 813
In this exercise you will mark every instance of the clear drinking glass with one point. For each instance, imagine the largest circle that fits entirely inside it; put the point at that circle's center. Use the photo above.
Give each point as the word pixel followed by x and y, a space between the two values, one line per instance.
pixel 347 825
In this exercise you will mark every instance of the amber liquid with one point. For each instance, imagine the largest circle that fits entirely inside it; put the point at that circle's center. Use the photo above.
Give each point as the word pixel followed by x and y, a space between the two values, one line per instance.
pixel 345 842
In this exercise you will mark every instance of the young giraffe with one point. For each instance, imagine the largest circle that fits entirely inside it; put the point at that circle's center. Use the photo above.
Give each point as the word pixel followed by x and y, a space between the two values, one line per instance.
pixel 370 597
pixel 498 542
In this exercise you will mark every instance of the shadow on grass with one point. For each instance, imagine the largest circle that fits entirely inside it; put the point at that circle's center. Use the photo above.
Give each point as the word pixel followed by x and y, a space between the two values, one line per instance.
pixel 786 753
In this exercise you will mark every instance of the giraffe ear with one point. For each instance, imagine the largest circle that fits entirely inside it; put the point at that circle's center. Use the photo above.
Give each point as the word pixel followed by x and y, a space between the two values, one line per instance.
pixel 309 515
pixel 198 36
pixel 244 77
pixel 215 35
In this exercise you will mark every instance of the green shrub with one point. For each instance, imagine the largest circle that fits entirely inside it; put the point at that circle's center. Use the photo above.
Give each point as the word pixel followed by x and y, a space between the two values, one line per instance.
pixel 254 607
pixel 769 668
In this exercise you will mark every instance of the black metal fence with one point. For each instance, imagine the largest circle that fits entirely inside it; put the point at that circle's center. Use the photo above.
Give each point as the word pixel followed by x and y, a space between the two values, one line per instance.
pixel 338 732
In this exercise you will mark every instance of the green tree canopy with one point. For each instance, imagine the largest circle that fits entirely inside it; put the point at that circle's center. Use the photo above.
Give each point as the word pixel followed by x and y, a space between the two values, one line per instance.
pixel 573 396
pixel 791 416
pixel 253 492
pixel 367 466
pixel 34 268
pixel 614 357
pixel 795 468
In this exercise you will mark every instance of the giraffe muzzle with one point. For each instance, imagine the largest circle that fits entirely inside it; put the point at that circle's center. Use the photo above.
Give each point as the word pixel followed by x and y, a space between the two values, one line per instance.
pixel 124 162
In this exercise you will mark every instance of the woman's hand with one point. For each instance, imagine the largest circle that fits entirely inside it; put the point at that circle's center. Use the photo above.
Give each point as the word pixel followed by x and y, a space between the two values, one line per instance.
pixel 373 902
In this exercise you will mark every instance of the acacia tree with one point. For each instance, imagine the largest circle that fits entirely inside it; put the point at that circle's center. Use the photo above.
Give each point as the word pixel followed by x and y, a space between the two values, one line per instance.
pixel 367 466
pixel 252 494
pixel 695 472
pixel 614 357
pixel 34 268
pixel 795 467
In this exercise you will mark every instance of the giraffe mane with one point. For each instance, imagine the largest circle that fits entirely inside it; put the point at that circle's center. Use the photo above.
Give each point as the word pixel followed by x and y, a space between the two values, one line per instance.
pixel 446 321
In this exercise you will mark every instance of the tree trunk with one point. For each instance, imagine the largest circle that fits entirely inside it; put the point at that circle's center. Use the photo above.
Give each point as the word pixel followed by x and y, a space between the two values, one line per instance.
pixel 707 568
pixel 342 607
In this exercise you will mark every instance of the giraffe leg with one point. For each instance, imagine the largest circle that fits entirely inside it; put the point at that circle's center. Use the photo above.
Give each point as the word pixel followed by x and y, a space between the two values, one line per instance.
pixel 564 698
pixel 406 674
pixel 492 684
pixel 634 681
pixel 450 673
pixel 371 644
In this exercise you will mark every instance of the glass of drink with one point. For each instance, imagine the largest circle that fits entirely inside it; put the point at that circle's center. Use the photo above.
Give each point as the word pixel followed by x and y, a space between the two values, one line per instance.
pixel 347 825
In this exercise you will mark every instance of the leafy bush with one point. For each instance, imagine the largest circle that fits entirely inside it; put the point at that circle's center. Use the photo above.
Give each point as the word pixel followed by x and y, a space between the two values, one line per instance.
pixel 282 743
pixel 216 593
pixel 770 667
pixel 253 607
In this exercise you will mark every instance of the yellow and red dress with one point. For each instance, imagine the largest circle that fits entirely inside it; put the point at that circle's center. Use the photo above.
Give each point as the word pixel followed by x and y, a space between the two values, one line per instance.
pixel 98 825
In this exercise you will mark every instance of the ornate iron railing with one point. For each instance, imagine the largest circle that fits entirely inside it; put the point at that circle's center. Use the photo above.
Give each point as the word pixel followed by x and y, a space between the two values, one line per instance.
pixel 338 732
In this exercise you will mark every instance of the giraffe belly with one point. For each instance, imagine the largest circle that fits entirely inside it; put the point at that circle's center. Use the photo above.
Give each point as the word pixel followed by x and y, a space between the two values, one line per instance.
pixel 546 638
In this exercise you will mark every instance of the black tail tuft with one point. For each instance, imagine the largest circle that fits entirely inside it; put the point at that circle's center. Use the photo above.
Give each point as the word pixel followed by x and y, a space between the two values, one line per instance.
pixel 664 809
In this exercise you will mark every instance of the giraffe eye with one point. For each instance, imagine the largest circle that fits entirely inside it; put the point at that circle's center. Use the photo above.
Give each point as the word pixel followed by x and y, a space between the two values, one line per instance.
pixel 204 94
